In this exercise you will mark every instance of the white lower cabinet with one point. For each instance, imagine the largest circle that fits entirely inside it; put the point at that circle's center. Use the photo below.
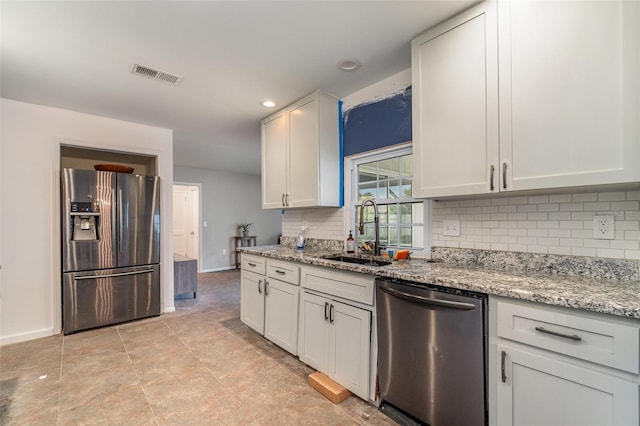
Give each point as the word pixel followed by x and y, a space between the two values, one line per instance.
pixel 558 366
pixel 269 305
pixel 313 340
pixel 540 390
pixel 252 300
pixel 334 338
pixel 281 314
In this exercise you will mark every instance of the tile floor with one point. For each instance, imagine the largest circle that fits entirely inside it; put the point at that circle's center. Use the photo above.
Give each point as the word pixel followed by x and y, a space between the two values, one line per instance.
pixel 198 365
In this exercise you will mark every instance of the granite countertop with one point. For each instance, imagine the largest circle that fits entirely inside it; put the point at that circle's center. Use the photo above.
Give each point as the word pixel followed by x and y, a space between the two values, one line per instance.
pixel 608 296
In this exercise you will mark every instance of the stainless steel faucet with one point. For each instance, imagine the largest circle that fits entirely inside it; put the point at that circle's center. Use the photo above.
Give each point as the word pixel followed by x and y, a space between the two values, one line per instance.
pixel 376 244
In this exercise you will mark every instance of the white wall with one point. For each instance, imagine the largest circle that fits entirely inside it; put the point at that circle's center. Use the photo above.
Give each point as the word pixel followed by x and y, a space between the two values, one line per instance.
pixel 31 135
pixel 228 199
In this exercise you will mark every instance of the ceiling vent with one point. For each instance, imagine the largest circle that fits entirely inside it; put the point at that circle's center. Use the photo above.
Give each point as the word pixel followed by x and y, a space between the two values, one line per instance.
pixel 156 74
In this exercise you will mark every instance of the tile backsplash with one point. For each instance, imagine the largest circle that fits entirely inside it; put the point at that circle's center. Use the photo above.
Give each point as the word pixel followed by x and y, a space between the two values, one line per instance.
pixel 560 224
pixel 548 224
pixel 322 223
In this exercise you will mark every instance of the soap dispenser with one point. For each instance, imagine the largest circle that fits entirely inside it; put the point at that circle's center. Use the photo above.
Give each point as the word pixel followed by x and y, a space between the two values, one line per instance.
pixel 300 239
pixel 351 243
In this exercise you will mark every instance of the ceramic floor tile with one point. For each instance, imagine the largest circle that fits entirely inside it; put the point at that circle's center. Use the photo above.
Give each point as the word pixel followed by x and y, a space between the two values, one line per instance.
pixel 29 397
pixel 87 389
pixel 45 352
pixel 199 365
pixel 123 404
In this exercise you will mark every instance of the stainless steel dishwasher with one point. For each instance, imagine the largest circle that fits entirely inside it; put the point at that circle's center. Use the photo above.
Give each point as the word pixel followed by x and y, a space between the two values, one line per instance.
pixel 432 345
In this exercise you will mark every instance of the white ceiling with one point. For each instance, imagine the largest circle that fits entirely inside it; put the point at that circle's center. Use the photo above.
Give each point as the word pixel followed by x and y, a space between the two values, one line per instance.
pixel 232 54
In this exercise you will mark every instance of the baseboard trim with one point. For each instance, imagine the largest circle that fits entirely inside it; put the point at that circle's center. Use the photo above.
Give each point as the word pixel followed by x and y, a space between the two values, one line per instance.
pixel 226 268
pixel 23 337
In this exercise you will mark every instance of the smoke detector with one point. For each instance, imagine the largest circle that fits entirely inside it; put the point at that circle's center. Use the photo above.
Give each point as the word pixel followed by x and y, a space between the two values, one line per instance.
pixel 156 74
pixel 349 65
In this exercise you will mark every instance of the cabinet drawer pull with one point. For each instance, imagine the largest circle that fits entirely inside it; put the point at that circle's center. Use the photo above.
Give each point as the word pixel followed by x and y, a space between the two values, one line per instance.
pixel 504 175
pixel 326 316
pixel 493 170
pixel 502 367
pixel 253 265
pixel 278 271
pixel 259 286
pixel 573 337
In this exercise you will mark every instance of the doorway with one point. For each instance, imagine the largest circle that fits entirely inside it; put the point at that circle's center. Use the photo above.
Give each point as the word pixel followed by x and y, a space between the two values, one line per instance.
pixel 186 220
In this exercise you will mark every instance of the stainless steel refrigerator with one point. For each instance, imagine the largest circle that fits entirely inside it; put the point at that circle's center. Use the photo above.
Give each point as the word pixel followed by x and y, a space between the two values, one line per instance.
pixel 110 248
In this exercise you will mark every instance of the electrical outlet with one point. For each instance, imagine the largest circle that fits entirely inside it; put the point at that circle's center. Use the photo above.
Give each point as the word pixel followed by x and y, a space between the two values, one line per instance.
pixel 224 251
pixel 603 227
pixel 451 227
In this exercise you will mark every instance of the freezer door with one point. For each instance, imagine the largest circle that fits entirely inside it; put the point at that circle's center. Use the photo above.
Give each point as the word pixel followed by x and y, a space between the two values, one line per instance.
pixel 94 190
pixel 96 298
pixel 138 223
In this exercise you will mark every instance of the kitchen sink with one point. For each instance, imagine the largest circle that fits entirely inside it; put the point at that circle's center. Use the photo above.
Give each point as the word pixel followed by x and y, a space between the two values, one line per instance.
pixel 359 260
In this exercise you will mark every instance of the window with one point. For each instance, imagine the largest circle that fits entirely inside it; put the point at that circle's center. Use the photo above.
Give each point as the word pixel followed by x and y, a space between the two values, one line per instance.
pixel 387 178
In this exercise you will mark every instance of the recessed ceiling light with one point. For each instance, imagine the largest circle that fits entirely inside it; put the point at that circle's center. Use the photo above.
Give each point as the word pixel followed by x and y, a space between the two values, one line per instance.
pixel 349 65
pixel 268 104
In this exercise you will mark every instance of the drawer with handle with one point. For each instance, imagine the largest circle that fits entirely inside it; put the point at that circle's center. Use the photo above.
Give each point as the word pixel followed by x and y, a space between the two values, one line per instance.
pixel 283 271
pixel 596 340
pixel 253 263
pixel 348 285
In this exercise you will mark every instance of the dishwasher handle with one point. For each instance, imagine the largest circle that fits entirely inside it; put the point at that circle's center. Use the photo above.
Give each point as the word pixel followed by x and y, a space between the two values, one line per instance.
pixel 428 300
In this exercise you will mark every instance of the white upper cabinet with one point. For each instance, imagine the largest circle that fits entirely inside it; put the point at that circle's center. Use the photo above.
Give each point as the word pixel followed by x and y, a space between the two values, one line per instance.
pixel 274 160
pixel 455 105
pixel 301 154
pixel 564 112
pixel 569 92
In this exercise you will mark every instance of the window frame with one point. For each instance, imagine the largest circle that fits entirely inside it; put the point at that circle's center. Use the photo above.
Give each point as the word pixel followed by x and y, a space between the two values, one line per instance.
pixel 351 185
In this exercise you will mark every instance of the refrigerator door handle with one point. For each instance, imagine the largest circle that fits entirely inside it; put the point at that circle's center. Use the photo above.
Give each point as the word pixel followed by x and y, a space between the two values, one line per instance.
pixel 124 274
pixel 120 220
pixel 113 219
pixel 427 300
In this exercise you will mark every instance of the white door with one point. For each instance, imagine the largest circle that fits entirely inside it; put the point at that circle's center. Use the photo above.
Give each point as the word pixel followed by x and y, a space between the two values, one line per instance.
pixel 313 338
pixel 281 314
pixel 349 347
pixel 569 91
pixel 252 300
pixel 186 220
pixel 275 140
pixel 303 154
pixel 180 221
pixel 455 106
pixel 539 390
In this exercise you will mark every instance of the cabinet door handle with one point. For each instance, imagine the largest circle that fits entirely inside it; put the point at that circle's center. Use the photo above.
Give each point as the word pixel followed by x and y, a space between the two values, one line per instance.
pixel 283 204
pixel 326 316
pixel 287 199
pixel 259 286
pixel 331 314
pixel 278 271
pixel 502 367
pixel 504 175
pixel 493 170
pixel 573 337
pixel 266 287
